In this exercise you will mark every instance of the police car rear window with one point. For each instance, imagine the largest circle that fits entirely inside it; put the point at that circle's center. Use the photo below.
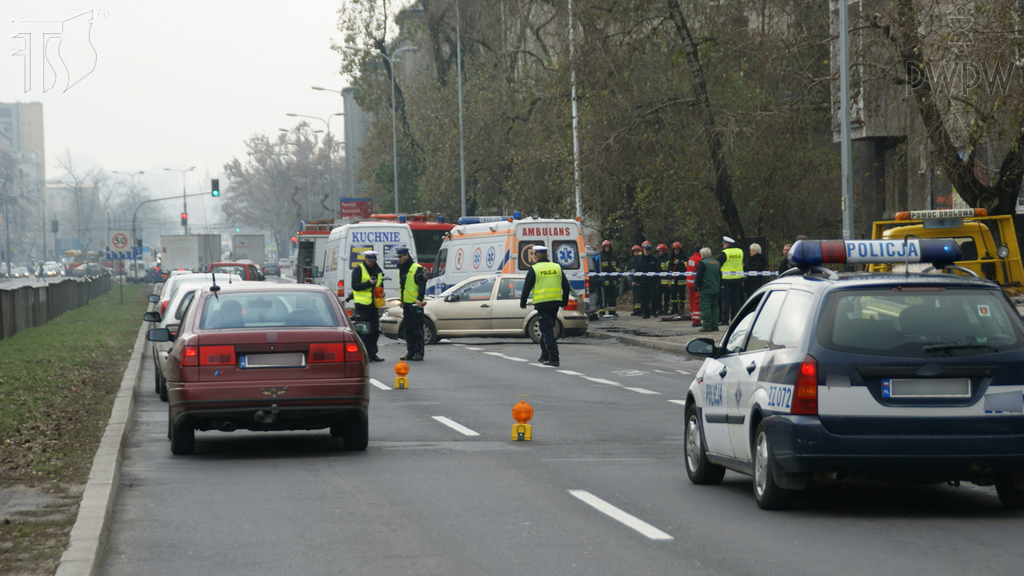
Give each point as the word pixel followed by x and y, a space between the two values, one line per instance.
pixel 918 323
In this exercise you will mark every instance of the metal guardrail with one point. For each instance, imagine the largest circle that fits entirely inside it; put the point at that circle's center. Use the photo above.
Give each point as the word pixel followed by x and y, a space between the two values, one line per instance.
pixel 31 306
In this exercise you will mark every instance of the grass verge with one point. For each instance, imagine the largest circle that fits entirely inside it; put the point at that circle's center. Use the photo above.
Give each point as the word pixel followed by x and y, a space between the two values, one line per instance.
pixel 57 387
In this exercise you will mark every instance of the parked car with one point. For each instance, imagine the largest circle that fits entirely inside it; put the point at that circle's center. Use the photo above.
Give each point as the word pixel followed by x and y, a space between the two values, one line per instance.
pixel 283 263
pixel 261 358
pixel 485 306
pixel 271 269
pixel 247 270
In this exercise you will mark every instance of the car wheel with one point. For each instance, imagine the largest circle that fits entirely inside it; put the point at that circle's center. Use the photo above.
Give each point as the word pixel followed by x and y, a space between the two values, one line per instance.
pixel 767 494
pixel 1011 497
pixel 533 330
pixel 356 435
pixel 183 438
pixel 698 467
pixel 163 389
pixel 429 332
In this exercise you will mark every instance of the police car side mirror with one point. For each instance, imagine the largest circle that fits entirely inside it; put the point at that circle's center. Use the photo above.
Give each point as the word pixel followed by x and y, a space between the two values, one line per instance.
pixel 701 347
pixel 154 298
pixel 362 328
pixel 451 298
pixel 151 317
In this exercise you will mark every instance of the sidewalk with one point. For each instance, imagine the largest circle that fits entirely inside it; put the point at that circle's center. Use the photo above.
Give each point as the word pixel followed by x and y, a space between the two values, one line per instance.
pixel 659 333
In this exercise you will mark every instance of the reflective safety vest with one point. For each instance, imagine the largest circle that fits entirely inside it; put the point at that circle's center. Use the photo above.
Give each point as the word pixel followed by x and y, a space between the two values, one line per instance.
pixel 365 297
pixel 733 267
pixel 410 291
pixel 665 262
pixel 548 285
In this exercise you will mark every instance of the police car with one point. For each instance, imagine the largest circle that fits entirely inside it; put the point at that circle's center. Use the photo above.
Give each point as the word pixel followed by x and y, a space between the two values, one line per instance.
pixel 829 375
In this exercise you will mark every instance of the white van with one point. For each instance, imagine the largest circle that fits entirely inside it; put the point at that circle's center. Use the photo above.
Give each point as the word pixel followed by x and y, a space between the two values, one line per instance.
pixel 481 245
pixel 345 247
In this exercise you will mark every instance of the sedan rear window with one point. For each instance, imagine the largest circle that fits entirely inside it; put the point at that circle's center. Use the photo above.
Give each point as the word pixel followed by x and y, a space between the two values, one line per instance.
pixel 267 310
pixel 919 323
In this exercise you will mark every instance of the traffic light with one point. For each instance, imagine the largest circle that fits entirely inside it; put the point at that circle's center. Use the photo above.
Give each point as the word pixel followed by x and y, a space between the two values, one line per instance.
pixel 184 218
pixel 53 226
pixel 215 187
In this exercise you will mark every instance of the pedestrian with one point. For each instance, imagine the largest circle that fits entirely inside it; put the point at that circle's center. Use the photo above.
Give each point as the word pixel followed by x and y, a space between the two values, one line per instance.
pixel 662 297
pixel 365 279
pixel 708 284
pixel 606 286
pixel 731 259
pixel 646 284
pixel 692 294
pixel 550 289
pixel 413 279
pixel 677 263
pixel 756 263
pixel 631 267
pixel 785 264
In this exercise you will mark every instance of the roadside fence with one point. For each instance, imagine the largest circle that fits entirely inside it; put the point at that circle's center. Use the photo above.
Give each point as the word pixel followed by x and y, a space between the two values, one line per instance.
pixel 31 306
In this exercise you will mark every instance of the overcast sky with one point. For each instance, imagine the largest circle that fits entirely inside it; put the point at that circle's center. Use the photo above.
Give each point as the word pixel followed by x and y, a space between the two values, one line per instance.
pixel 175 84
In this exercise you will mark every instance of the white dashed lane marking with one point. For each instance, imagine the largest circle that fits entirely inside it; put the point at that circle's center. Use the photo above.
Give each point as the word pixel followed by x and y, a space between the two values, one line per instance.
pixel 471 348
pixel 661 371
pixel 602 381
pixel 570 373
pixel 540 365
pixel 681 402
pixel 379 384
pixel 620 515
pixel 456 426
pixel 640 390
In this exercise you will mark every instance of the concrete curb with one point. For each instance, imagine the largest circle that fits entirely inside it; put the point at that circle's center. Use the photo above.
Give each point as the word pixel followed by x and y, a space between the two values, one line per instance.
pixel 89 534
pixel 673 347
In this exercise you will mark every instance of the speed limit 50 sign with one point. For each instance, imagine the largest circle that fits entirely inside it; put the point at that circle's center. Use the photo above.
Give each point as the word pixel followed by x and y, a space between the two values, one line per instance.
pixel 119 241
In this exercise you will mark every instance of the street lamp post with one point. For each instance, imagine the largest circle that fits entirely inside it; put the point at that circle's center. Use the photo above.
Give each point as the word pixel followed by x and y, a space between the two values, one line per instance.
pixel 184 203
pixel 327 122
pixel 394 125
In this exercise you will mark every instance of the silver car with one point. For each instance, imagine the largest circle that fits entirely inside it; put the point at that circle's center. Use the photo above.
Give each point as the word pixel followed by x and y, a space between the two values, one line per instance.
pixel 485 306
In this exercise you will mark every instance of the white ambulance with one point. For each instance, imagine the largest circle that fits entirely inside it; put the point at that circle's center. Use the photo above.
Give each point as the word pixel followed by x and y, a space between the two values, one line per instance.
pixel 479 245
pixel 345 248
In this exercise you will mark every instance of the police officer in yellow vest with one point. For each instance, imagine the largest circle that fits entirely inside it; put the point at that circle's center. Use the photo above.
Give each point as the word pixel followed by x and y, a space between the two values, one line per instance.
pixel 413 279
pixel 551 291
pixel 731 259
pixel 365 277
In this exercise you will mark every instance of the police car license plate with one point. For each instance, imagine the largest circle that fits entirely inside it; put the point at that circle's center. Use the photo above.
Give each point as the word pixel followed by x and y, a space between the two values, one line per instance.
pixel 926 388
pixel 283 360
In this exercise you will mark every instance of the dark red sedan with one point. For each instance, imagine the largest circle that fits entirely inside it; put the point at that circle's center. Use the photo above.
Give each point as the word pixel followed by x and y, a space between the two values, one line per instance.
pixel 259 358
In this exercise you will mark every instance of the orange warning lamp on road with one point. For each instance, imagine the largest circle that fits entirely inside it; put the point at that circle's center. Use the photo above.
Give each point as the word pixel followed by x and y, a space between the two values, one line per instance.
pixel 523 413
pixel 402 370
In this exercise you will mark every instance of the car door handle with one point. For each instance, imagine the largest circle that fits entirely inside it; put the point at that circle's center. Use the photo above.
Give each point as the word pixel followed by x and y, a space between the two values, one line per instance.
pixel 751 367
pixel 485 306
pixel 723 372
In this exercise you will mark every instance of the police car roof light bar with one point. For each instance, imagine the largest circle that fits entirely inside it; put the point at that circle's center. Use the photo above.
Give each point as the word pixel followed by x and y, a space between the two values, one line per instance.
pixel 938 252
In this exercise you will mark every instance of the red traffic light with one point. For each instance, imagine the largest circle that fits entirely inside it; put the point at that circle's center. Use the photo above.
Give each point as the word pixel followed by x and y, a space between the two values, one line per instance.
pixel 294 239
pixel 184 215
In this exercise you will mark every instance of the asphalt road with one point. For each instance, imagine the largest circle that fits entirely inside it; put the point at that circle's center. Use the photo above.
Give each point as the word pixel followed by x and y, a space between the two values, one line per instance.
pixel 426 498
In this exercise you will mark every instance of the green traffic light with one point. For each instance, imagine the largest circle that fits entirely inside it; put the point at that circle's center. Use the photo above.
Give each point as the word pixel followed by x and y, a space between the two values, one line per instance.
pixel 215 187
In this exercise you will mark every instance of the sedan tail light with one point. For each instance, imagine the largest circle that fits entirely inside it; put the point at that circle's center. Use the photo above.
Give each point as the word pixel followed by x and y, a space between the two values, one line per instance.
pixel 216 355
pixel 341 288
pixel 334 352
pixel 805 391
pixel 572 305
pixel 190 356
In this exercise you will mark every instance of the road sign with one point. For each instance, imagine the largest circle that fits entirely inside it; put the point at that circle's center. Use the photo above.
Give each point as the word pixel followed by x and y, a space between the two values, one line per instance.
pixel 119 241
pixel 131 253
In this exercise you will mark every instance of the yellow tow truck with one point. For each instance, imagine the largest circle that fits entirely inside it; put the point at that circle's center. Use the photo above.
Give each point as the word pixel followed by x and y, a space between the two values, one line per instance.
pixel 988 243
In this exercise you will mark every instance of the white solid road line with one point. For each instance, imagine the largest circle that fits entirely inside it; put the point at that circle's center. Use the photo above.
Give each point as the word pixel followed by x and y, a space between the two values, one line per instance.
pixel 456 426
pixel 379 384
pixel 682 402
pixel 624 517
pixel 641 390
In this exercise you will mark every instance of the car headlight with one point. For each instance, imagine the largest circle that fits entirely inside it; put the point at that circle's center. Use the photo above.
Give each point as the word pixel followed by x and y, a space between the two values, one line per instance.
pixel 1002 251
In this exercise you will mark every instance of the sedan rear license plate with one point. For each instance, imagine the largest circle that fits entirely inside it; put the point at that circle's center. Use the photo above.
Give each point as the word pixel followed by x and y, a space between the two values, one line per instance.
pixel 282 360
pixel 927 388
